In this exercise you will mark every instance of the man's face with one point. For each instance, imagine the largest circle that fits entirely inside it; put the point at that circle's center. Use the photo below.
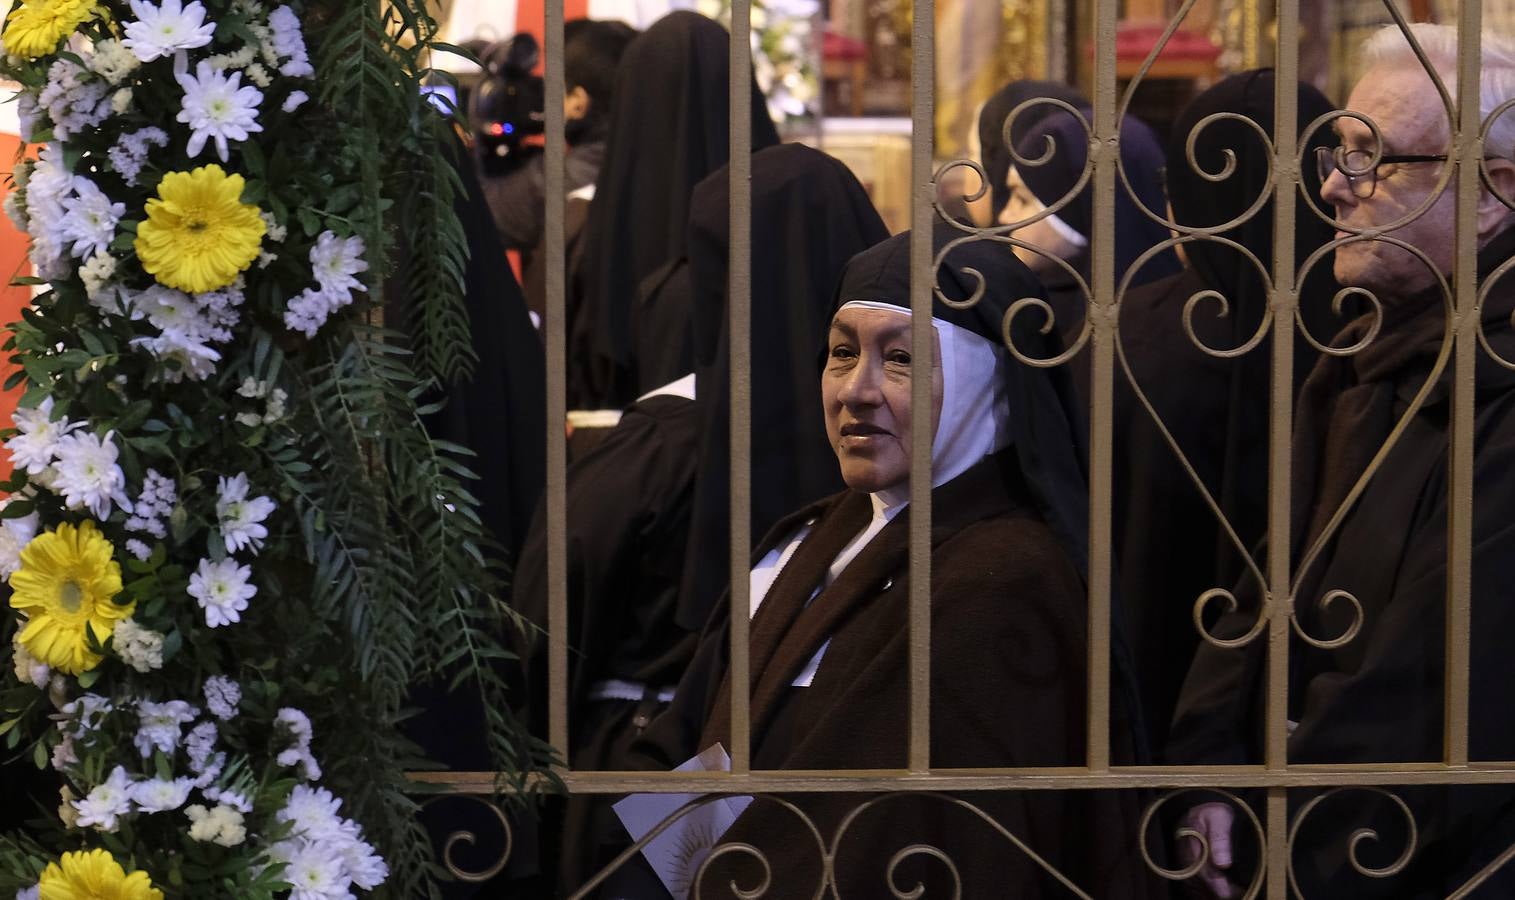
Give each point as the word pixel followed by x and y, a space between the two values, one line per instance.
pixel 1407 108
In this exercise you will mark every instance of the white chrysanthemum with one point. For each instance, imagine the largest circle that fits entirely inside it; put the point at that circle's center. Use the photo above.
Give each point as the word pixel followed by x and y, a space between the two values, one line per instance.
pixel 294 101
pixel 121 101
pixel 85 715
pixel 222 590
pixel 32 893
pixel 88 475
pixel 222 696
pixel 316 874
pixel 366 868
pixel 113 60
pixel 315 814
pixel 162 30
pixel 195 360
pixel 89 219
pixel 37 444
pixel 335 261
pixel 104 805
pixel 15 534
pixel 241 519
pixel 29 670
pixel 50 182
pixel 141 648
pixel 221 825
pixel 216 107
pixel 138 549
pixel 161 725
pixel 161 795
pixel 228 797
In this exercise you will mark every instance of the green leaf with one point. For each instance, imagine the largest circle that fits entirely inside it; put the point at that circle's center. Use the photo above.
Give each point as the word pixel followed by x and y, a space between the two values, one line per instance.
pixel 87 679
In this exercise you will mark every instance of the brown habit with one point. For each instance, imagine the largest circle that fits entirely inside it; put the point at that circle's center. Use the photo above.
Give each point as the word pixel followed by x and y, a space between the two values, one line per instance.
pixel 1007 689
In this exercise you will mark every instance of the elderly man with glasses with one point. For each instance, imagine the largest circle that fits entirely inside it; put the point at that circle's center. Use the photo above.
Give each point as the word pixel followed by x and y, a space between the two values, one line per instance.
pixel 1370 518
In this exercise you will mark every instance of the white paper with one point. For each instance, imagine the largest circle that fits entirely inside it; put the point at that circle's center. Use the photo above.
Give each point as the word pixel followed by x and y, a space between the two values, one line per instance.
pixel 676 854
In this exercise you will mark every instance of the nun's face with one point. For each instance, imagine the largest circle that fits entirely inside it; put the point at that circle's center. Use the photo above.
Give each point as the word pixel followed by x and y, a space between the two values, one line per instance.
pixel 1022 206
pixel 865 391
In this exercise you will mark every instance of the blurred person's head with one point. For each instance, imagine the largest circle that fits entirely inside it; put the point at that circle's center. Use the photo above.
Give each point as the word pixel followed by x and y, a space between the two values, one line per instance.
pixel 1400 97
pixel 591 53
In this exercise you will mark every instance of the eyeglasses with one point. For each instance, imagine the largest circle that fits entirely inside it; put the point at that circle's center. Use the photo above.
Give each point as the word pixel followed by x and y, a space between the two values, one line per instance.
pixel 1358 168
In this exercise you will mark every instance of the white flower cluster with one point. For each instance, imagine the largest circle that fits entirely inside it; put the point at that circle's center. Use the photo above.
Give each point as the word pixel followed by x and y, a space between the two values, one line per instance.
pixel 141 648
pixel 273 409
pixel 74 100
pixel 78 465
pixel 220 824
pixel 222 695
pixel 335 262
pixel 29 670
pixel 204 759
pixel 113 61
pixel 326 856
pixel 297 727
pixel 48 185
pixel 287 43
pixel 129 154
pixel 187 327
pixel 15 534
pixel 154 505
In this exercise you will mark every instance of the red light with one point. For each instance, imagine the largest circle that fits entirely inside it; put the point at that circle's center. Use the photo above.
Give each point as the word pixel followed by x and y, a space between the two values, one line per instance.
pixel 495 129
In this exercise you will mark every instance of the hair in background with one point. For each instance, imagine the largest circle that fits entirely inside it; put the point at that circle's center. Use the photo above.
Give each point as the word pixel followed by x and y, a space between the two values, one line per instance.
pixel 1388 47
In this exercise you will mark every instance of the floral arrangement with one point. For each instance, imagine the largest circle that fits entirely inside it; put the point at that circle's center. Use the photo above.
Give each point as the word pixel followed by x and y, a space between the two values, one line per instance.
pixel 785 53
pixel 229 543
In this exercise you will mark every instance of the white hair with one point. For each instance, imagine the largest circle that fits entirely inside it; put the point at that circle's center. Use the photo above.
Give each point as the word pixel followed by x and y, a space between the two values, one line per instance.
pixel 1496 82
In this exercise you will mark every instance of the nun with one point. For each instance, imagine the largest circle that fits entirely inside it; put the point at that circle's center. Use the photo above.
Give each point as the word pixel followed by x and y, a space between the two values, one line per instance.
pixel 811 215
pixel 631 499
pixel 669 129
pixel 1171 545
pixel 829 653
pixel 1061 241
pixel 986 143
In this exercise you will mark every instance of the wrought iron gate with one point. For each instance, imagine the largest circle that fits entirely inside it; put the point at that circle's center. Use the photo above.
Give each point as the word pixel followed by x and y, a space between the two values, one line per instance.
pixel 1275 777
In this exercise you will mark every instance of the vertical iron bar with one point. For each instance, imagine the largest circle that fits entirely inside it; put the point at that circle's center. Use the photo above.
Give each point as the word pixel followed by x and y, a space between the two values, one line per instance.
pixel 553 331
pixel 922 352
pixel 1102 312
pixel 739 305
pixel 1468 151
pixel 1277 821
pixel 1286 181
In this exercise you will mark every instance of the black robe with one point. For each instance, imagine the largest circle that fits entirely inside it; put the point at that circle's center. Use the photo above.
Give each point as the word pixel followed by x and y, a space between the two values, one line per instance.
pixel 627 511
pixel 1169 543
pixel 1379 698
pixel 670 128
pixel 809 217
pixel 1008 688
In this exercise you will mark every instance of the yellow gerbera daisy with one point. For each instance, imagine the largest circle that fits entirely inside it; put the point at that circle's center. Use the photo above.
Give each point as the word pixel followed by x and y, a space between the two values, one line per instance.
pixel 94 875
pixel 67 582
pixel 198 233
pixel 36 26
